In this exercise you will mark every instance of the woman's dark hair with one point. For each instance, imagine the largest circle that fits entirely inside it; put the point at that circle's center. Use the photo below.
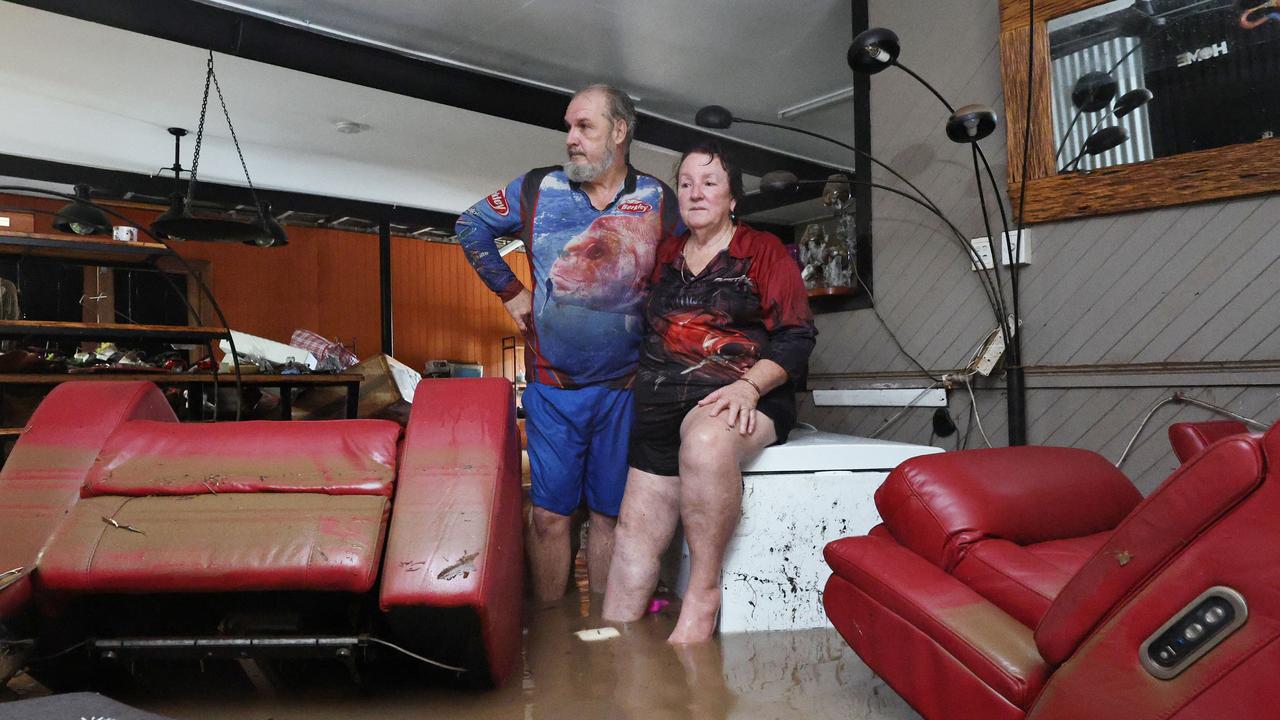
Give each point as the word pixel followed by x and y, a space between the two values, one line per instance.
pixel 712 148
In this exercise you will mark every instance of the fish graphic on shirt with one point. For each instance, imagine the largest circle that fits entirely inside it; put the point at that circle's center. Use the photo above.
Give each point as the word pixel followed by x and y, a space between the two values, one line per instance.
pixel 607 266
pixel 699 338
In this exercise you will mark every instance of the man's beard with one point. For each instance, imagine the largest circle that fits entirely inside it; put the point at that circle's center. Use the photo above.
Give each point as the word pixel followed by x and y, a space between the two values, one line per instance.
pixel 586 172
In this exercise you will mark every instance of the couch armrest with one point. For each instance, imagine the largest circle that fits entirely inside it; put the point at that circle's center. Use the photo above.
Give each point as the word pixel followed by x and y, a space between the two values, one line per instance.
pixel 1193 498
pixel 938 505
pixel 454 558
pixel 41 479
pixel 992 644
pixel 1188 439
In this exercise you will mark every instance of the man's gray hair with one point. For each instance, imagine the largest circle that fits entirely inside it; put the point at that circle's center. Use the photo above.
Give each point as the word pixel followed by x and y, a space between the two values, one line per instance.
pixel 620 107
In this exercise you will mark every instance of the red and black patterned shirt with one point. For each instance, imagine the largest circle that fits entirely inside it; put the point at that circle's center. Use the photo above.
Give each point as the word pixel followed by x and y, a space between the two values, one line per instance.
pixel 706 330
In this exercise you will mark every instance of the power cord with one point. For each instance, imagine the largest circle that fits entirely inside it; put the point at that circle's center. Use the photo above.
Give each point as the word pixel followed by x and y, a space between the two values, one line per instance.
pixel 973 404
pixel 892 336
pixel 416 656
pixel 1178 397
pixel 904 409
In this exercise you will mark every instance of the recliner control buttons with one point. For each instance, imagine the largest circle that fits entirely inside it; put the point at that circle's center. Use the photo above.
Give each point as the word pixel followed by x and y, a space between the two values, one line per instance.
pixel 1197 628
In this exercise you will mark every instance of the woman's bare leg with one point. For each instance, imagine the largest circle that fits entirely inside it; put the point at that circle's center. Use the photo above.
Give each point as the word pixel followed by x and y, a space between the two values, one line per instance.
pixel 646 523
pixel 711 453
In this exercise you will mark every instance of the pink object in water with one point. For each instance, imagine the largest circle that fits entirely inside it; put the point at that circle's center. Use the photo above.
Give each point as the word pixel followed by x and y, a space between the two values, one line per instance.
pixel 657 604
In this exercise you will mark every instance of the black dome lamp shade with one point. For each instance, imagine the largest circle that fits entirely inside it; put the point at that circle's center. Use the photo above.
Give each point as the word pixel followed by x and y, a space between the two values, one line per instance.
pixel 272 233
pixel 178 222
pixel 80 217
pixel 716 117
pixel 971 123
pixel 1093 91
pixel 1105 139
pixel 873 50
pixel 1131 101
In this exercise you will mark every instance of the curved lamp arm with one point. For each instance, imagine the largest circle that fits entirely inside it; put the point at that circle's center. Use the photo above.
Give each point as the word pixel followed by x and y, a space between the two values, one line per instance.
pixel 235 357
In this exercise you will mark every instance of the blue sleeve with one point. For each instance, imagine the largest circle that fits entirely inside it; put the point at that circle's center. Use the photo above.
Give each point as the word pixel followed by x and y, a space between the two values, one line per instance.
pixel 497 215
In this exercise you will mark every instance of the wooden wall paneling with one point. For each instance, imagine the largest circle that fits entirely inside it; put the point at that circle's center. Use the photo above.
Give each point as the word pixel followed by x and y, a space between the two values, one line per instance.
pixel 348 301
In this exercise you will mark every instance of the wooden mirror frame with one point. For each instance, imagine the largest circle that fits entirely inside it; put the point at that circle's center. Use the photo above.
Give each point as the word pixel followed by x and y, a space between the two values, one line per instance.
pixel 1213 174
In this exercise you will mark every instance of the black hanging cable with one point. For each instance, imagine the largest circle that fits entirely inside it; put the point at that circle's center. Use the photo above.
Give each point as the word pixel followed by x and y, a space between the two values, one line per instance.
pixel 846 146
pixel 1006 237
pixel 1004 223
pixel 892 336
pixel 1014 373
pixel 995 258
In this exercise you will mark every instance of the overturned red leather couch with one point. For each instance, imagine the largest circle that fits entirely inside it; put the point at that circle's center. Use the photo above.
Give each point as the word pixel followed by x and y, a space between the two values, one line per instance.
pixel 130 535
pixel 1036 582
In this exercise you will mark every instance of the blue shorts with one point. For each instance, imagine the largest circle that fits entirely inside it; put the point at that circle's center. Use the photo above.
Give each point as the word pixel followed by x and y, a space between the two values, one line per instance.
pixel 577 441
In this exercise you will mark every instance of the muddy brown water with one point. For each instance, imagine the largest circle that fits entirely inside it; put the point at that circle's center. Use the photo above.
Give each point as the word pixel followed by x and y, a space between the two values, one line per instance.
pixel 798 674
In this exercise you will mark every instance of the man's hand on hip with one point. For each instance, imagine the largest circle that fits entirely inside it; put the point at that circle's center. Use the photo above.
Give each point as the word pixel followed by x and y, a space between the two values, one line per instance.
pixel 521 309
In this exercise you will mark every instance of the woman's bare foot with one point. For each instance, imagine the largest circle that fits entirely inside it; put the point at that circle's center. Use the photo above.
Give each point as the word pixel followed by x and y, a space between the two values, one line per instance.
pixel 699 611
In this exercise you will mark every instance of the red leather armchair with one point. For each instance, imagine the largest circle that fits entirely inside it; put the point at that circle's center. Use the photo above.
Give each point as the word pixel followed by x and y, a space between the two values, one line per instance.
pixel 1033 581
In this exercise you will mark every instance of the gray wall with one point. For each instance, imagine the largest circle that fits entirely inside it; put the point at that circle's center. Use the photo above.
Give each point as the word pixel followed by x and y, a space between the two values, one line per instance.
pixel 1194 285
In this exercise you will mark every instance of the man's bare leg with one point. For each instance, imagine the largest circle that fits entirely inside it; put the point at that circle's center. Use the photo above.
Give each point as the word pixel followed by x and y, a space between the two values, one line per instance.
pixel 710 505
pixel 547 544
pixel 650 510
pixel 600 534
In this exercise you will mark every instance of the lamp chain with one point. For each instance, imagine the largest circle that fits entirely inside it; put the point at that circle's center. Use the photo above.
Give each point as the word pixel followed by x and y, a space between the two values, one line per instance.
pixel 236 141
pixel 204 106
pixel 212 77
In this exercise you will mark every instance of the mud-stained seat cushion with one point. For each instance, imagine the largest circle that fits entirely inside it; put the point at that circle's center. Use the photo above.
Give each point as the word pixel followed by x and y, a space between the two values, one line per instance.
pixel 249 506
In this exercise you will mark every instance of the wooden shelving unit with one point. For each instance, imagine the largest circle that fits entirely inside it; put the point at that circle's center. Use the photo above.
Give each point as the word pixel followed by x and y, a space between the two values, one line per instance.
pixel 99 255
pixel 79 248
pixel 193 334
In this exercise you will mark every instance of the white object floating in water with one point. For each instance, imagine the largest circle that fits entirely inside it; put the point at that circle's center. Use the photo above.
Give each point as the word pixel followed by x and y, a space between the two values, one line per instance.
pixel 604 633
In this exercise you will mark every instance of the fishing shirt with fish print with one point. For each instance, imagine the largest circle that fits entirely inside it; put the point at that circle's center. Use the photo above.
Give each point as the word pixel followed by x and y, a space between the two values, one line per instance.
pixel 706 330
pixel 590 269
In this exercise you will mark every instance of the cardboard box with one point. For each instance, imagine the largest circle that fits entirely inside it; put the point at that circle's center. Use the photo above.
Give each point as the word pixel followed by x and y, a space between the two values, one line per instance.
pixel 17 222
pixel 386 392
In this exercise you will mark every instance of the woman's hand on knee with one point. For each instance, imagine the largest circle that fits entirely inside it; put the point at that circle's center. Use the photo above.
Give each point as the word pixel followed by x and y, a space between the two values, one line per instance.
pixel 735 403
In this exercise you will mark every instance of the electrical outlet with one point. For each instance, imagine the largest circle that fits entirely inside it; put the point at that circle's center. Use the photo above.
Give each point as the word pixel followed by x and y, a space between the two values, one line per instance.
pixel 982 248
pixel 1023 248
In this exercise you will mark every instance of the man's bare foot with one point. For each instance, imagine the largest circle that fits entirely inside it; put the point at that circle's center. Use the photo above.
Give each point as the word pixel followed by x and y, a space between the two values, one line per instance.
pixel 698 614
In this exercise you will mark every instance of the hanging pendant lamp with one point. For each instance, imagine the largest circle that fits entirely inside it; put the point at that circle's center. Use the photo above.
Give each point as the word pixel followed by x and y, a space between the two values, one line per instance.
pixel 178 222
pixel 81 217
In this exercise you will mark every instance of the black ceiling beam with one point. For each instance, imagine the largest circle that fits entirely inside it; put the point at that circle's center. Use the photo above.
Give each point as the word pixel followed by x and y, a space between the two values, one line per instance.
pixel 117 183
pixel 253 38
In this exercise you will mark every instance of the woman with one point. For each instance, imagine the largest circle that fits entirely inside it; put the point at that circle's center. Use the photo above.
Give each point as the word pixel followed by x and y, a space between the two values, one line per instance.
pixel 729 332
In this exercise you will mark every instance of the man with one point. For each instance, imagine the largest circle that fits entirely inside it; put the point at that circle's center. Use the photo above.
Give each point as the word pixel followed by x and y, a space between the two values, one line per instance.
pixel 590 228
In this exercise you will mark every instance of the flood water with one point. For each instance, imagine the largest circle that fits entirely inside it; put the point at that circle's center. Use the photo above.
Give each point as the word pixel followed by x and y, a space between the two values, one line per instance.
pixel 798 674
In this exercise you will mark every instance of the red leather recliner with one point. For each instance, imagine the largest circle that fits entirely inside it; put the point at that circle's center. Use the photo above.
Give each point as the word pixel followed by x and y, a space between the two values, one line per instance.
pixel 127 530
pixel 1191 438
pixel 1035 582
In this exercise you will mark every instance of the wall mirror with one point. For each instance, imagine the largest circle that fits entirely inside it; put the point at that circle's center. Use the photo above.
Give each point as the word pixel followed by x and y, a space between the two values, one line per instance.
pixel 1142 104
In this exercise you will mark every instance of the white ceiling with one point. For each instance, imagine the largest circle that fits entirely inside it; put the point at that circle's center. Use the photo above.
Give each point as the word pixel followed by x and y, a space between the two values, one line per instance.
pixel 78 92
pixel 673 56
